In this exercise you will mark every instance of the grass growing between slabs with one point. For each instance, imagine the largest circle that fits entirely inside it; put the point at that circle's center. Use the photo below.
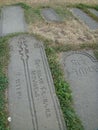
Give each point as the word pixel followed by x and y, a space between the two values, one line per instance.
pixel 4 59
pixel 62 88
pixel 33 12
pixel 86 8
pixel 3 83
pixel 63 91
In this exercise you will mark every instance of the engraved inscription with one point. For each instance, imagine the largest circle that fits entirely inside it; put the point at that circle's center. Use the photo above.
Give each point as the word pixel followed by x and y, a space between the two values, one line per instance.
pixel 18 86
pixel 40 89
pixel 34 105
pixel 23 51
pixel 43 89
pixel 35 84
pixel 81 72
pixel 80 66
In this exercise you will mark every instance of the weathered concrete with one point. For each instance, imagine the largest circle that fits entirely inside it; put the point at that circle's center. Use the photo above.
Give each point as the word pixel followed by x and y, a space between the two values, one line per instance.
pixel 33 103
pixel 0 26
pixel 95 12
pixel 85 18
pixel 12 18
pixel 50 15
pixel 81 71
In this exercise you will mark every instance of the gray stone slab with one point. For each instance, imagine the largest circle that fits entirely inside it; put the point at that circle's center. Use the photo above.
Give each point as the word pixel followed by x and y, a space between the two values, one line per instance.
pixel 81 71
pixel 0 26
pixel 50 15
pixel 13 20
pixel 95 12
pixel 33 103
pixel 85 18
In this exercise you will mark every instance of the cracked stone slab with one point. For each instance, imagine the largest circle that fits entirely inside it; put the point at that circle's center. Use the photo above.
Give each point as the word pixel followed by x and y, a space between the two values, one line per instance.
pixel 85 18
pixel 12 20
pixel 50 15
pixel 81 71
pixel 33 104
pixel 95 12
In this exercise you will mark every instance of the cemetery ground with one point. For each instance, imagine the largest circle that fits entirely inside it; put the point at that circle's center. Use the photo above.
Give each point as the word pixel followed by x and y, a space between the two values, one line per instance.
pixel 70 34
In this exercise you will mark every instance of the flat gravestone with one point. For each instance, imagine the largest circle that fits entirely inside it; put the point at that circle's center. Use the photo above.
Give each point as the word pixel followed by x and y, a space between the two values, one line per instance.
pixel 81 71
pixel 0 27
pixel 13 20
pixel 95 12
pixel 33 103
pixel 50 15
pixel 85 18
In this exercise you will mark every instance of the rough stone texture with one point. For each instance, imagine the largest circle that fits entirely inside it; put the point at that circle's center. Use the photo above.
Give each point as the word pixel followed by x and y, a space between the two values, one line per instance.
pixel 85 18
pixel 81 71
pixel 0 26
pixel 33 103
pixel 12 18
pixel 95 12
pixel 50 15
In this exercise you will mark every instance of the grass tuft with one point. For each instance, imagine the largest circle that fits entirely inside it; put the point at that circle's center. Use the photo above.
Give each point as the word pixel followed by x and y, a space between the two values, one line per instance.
pixel 63 91
pixel 32 14
pixel 3 83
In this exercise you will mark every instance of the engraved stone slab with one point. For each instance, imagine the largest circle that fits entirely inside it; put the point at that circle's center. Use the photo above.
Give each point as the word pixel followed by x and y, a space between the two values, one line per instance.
pixel 12 18
pixel 81 71
pixel 33 103
pixel 85 18
pixel 0 26
pixel 50 15
pixel 95 12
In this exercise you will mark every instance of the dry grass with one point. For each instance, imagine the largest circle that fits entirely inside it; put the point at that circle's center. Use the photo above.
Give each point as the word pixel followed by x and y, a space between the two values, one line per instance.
pixel 31 2
pixel 78 1
pixel 70 32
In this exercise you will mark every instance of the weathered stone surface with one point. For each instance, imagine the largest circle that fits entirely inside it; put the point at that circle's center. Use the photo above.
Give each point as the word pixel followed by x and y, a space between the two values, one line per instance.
pixel 85 18
pixel 33 103
pixel 95 12
pixel 12 18
pixel 0 26
pixel 81 71
pixel 50 15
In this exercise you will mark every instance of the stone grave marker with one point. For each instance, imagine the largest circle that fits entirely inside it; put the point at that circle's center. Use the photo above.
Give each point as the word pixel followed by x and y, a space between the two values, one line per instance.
pixel 0 26
pixel 50 15
pixel 13 20
pixel 81 71
pixel 33 104
pixel 95 12
pixel 85 18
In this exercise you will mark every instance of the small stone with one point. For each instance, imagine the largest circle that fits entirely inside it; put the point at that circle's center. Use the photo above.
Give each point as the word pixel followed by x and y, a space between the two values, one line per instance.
pixel 9 119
